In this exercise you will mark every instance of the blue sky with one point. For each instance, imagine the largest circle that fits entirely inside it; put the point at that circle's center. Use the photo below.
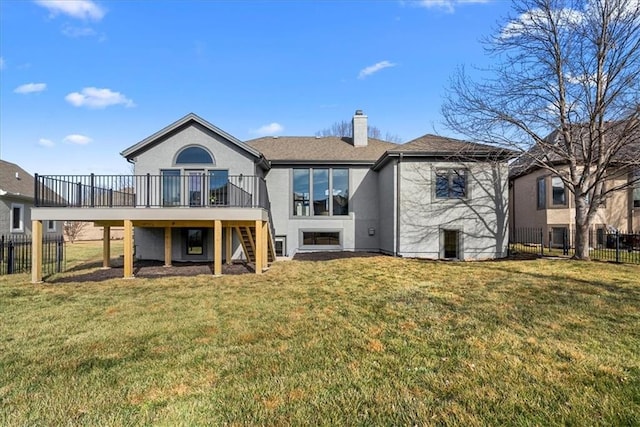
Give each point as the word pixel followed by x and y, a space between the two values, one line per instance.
pixel 82 80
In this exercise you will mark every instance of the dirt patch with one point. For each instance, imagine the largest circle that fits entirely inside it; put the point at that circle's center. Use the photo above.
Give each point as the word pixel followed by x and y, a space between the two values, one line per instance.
pixel 148 269
pixel 328 256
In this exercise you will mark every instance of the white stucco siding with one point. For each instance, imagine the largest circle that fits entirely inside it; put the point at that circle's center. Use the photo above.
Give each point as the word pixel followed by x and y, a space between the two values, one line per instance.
pixel 354 228
pixel 226 155
pixel 480 218
pixel 387 208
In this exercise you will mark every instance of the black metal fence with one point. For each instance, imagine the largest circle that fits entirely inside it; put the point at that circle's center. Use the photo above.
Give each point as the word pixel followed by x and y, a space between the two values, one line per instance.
pixel 15 254
pixel 170 189
pixel 604 245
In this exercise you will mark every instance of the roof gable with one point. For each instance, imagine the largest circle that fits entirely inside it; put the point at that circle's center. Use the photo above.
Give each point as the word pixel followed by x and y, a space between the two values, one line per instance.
pixel 180 124
pixel 14 180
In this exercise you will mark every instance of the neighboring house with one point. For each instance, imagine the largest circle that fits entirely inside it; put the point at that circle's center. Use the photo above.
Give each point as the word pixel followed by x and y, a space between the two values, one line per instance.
pixel 539 200
pixel 16 200
pixel 199 194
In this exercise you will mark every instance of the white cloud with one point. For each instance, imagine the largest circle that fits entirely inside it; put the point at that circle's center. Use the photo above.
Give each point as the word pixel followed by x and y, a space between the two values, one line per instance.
pixel 534 19
pixel 2 63
pixel 446 5
pixel 79 9
pixel 78 139
pixel 375 68
pixel 46 142
pixel 93 97
pixel 270 129
pixel 30 88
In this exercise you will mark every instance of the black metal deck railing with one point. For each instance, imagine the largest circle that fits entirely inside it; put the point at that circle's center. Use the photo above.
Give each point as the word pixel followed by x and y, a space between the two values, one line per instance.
pixel 166 190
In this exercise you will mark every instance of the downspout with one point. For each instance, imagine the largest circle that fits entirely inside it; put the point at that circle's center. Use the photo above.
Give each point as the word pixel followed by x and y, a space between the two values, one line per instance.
pixel 397 218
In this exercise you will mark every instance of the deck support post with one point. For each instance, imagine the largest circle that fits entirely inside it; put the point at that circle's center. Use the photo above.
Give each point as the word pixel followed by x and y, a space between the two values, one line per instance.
pixel 106 246
pixel 228 237
pixel 265 244
pixel 128 249
pixel 167 246
pixel 36 254
pixel 259 252
pixel 217 247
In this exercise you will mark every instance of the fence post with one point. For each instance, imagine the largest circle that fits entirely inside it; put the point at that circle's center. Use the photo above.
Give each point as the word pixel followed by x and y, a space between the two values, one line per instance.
pixel 541 242
pixel 59 254
pixel 36 195
pixel 93 190
pixel 79 191
pixel 111 197
pixel 565 246
pixel 617 245
pixel 148 189
pixel 10 257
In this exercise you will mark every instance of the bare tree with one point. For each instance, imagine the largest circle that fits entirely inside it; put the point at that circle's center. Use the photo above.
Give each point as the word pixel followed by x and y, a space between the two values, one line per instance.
pixel 343 128
pixel 564 91
pixel 72 229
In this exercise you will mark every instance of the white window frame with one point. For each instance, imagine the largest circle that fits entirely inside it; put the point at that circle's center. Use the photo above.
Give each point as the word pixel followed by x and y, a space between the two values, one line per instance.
pixel 51 229
pixel 20 229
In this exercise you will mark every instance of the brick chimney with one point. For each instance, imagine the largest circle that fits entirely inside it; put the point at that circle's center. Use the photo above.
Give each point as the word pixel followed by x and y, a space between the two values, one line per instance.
pixel 359 129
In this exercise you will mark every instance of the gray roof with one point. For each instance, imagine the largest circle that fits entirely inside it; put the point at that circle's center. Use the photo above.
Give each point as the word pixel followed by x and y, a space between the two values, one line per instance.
pixel 440 145
pixel 157 137
pixel 20 186
pixel 311 149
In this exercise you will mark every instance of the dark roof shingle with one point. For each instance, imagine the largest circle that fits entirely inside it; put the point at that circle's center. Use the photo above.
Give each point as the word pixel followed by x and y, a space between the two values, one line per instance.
pixel 326 149
pixel 22 185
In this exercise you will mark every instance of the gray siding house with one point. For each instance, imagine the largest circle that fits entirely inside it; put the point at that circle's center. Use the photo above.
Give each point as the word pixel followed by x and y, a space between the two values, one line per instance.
pixel 16 200
pixel 199 194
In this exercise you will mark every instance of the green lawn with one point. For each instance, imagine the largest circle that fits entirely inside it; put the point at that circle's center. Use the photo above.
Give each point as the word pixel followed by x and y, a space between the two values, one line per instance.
pixel 356 341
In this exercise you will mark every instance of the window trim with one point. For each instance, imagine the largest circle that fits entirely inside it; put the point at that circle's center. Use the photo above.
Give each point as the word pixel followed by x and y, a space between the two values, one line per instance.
pixel 460 242
pixel 20 228
pixel 51 229
pixel 438 170
pixel 187 164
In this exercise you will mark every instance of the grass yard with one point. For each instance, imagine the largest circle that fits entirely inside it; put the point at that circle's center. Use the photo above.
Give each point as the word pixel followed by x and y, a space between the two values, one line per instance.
pixel 356 341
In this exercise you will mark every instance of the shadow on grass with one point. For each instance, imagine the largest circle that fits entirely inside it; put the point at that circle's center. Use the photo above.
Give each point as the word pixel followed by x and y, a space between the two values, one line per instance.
pixel 330 256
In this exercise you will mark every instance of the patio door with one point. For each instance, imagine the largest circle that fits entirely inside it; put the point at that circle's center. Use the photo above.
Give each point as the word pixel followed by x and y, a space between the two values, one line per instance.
pixel 196 187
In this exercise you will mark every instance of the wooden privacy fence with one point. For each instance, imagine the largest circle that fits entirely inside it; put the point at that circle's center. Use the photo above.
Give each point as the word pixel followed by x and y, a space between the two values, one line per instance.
pixel 15 254
pixel 604 245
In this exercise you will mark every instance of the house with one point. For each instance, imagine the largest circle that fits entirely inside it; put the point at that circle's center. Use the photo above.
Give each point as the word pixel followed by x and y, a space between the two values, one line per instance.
pixel 200 194
pixel 539 200
pixel 16 200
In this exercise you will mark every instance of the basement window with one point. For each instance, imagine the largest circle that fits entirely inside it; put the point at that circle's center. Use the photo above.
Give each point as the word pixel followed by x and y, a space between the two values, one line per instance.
pixel 195 241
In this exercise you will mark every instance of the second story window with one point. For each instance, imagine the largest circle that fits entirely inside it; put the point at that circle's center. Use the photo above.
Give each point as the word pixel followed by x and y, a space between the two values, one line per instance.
pixel 194 155
pixel 558 192
pixel 541 193
pixel 451 184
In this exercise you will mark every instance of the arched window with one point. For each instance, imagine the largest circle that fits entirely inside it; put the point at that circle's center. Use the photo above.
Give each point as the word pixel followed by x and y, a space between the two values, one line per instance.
pixel 192 155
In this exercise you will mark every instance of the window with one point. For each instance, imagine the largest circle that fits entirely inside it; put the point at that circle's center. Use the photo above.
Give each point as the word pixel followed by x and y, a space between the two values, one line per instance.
pixel 558 191
pixel 218 180
pixel 281 245
pixel 17 218
pixel 329 192
pixel 195 242
pixel 636 189
pixel 451 244
pixel 542 193
pixel 321 238
pixel 321 192
pixel 451 184
pixel 51 226
pixel 301 192
pixel 192 155
pixel 170 187
pixel 340 191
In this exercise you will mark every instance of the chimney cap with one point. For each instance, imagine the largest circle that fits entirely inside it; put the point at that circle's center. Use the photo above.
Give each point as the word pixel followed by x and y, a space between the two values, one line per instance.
pixel 359 113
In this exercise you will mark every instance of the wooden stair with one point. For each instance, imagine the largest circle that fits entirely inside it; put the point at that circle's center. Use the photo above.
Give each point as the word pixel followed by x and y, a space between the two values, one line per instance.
pixel 247 236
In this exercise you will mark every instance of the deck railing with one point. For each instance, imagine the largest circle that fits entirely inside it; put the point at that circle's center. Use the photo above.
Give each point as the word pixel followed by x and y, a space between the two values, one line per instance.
pixel 150 191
